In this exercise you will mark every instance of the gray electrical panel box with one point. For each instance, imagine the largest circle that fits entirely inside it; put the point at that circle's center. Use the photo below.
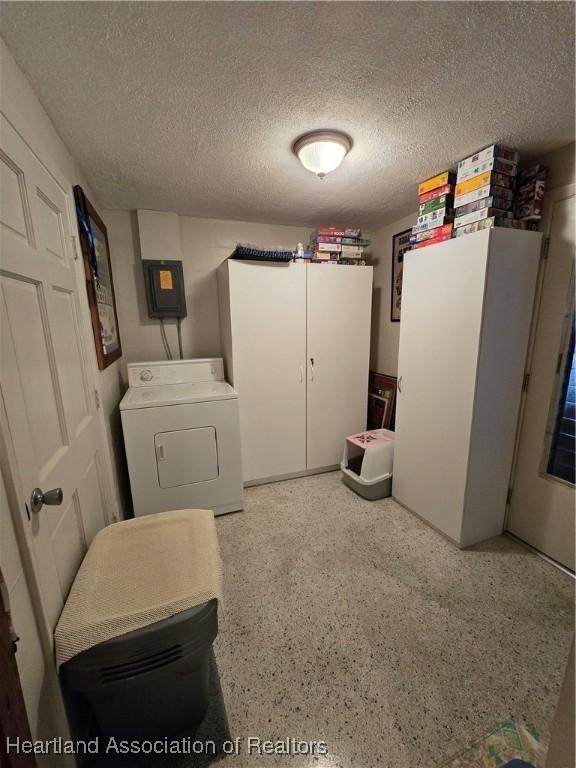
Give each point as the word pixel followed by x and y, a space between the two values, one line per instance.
pixel 164 281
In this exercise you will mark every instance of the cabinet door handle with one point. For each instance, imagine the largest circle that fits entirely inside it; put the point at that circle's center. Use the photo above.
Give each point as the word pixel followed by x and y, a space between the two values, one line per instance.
pixel 161 454
pixel 301 375
pixel 400 384
pixel 311 369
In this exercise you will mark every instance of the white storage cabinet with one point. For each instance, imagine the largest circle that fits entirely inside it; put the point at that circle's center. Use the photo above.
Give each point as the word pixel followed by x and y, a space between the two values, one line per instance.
pixel 296 341
pixel 466 310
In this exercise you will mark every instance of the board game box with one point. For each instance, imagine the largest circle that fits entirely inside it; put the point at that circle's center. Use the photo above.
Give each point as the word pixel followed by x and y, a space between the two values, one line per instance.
pixel 330 247
pixel 338 232
pixel 440 238
pixel 537 171
pixel 440 217
pixel 486 202
pixel 482 180
pixel 487 191
pixel 418 228
pixel 495 221
pixel 355 241
pixel 446 177
pixel 495 164
pixel 352 252
pixel 445 229
pixel 445 189
pixel 530 211
pixel 494 150
pixel 533 190
pixel 443 201
pixel 485 213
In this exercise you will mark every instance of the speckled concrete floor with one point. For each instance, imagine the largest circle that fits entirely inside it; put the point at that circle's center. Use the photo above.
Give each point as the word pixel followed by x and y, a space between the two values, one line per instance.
pixel 354 623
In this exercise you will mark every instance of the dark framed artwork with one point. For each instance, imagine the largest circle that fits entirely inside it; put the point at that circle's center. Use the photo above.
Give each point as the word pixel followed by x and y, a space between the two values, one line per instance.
pixel 400 244
pixel 99 283
pixel 381 400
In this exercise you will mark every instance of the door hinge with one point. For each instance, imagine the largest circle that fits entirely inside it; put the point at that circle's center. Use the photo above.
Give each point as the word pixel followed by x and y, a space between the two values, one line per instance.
pixel 545 247
pixel 509 497
pixel 75 246
pixel 97 399
pixel 525 382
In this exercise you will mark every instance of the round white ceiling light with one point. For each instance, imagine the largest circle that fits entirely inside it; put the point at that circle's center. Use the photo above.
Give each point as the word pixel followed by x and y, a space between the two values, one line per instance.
pixel 322 151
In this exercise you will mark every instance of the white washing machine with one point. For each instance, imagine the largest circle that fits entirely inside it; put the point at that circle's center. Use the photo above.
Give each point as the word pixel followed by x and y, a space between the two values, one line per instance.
pixel 182 436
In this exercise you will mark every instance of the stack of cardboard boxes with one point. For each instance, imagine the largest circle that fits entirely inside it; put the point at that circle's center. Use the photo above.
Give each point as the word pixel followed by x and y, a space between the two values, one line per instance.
pixel 489 192
pixel 530 194
pixel 435 211
pixel 338 245
pixel 485 189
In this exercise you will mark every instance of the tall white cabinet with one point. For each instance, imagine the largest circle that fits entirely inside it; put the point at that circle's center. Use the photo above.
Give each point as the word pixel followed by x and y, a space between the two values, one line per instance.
pixel 466 311
pixel 296 341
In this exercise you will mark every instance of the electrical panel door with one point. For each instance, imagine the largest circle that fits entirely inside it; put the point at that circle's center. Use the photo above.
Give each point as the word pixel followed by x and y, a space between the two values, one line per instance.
pixel 164 281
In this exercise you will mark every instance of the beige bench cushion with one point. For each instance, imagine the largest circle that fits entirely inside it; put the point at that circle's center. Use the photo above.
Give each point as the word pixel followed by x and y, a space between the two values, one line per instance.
pixel 137 572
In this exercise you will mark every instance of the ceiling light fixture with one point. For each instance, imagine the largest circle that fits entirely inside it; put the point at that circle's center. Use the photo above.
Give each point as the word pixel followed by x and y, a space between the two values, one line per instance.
pixel 322 151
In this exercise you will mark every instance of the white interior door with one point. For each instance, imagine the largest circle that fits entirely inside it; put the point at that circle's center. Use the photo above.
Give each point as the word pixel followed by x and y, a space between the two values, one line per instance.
pixel 339 300
pixel 542 506
pixel 48 412
pixel 442 297
pixel 268 322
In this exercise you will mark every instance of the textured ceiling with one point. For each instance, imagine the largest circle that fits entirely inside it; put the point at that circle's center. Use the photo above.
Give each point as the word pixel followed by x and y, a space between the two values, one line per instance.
pixel 193 107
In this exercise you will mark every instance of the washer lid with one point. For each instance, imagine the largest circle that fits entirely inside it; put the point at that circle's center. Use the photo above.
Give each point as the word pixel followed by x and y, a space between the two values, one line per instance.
pixel 177 394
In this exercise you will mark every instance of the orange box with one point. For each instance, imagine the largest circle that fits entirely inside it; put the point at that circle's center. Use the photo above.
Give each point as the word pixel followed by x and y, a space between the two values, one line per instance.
pixel 474 183
pixel 436 181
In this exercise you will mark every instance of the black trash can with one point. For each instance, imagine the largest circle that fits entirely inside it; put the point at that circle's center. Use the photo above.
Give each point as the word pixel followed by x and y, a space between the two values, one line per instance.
pixel 151 682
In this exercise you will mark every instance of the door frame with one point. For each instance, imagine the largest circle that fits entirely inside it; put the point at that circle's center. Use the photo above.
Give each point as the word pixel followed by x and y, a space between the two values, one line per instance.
pixel 13 716
pixel 17 495
pixel 553 197
pixel 15 492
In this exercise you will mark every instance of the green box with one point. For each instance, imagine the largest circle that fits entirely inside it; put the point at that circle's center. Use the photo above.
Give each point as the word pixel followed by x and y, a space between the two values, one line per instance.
pixel 444 201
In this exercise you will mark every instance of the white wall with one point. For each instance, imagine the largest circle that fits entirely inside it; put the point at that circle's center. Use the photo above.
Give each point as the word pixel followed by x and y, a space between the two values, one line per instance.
pixel 206 243
pixel 561 166
pixel 385 333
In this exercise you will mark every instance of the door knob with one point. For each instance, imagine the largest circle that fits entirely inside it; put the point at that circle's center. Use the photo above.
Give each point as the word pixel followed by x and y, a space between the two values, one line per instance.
pixel 51 498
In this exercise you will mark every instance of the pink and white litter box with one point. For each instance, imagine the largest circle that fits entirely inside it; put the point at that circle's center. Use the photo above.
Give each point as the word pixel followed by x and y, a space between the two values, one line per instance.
pixel 367 463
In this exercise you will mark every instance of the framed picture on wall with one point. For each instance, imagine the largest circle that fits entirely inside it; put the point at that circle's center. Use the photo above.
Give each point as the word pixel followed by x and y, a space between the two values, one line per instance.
pixel 381 401
pixel 99 283
pixel 400 244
